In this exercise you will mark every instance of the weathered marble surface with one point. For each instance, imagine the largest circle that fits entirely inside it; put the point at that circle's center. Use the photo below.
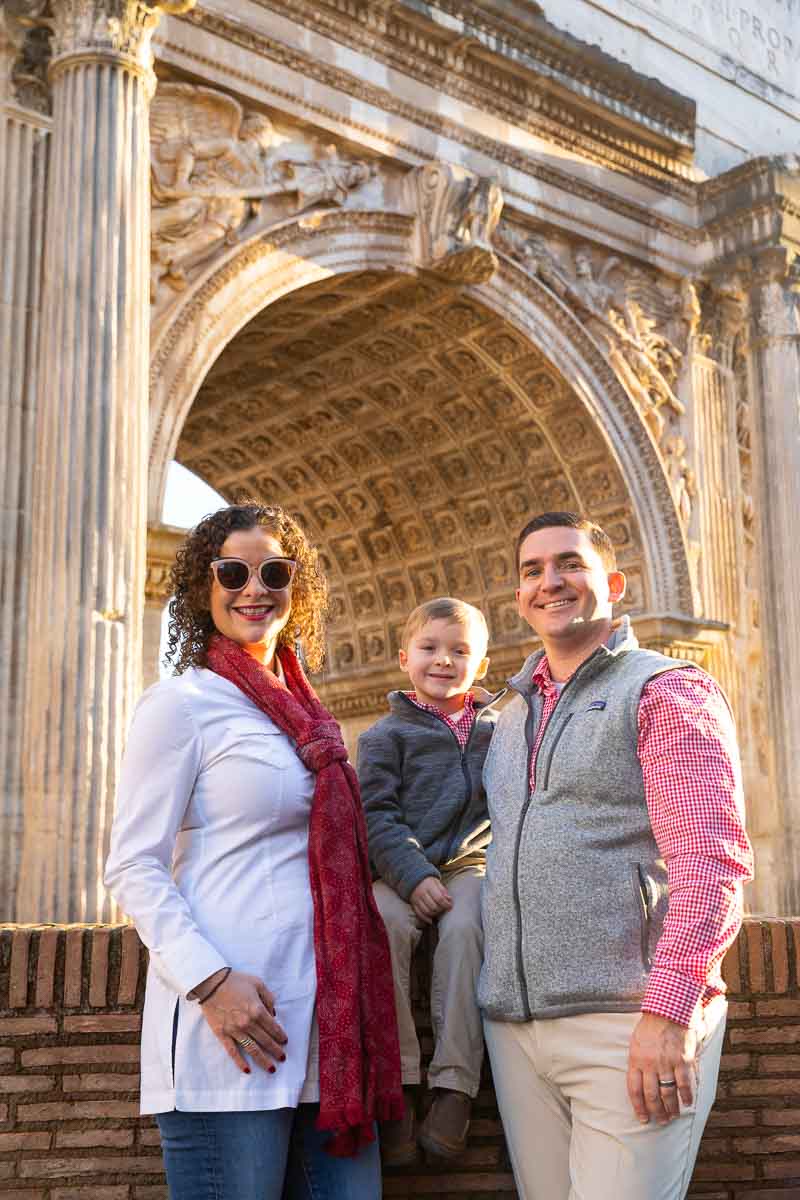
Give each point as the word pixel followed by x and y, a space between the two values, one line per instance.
pixel 740 61
pixel 23 138
pixel 415 268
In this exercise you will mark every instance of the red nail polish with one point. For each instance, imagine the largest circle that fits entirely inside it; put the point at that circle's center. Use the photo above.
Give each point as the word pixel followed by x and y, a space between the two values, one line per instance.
pixel 247 1070
pixel 283 1058
pixel 271 1070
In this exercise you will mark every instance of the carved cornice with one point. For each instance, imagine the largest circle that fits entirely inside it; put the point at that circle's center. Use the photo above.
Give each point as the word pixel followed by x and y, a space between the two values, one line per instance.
pixel 528 72
pixel 310 67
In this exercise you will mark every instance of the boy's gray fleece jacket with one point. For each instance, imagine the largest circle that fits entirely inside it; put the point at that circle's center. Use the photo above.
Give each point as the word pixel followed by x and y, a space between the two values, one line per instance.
pixel 575 893
pixel 423 797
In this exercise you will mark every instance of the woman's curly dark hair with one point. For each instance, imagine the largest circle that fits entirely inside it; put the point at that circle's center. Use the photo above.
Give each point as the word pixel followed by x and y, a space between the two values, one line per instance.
pixel 190 623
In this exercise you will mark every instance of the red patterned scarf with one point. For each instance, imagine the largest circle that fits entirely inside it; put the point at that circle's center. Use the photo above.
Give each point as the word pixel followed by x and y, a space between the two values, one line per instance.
pixel 359 1055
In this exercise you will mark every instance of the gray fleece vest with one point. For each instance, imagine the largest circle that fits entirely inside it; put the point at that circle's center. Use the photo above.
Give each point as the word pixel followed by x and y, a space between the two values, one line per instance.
pixel 576 891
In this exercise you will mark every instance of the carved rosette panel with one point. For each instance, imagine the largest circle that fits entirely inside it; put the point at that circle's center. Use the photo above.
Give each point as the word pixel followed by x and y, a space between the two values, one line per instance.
pixel 412 431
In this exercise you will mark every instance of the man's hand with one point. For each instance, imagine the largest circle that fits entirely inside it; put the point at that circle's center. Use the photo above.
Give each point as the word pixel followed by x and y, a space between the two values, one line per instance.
pixel 430 899
pixel 661 1052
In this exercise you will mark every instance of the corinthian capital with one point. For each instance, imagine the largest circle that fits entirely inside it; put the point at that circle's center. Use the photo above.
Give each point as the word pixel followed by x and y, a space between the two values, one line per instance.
pixel 109 28
pixel 774 299
pixel 24 53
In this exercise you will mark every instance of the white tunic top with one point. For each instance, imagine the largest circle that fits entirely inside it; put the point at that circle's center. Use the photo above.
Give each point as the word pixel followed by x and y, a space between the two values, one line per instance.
pixel 209 857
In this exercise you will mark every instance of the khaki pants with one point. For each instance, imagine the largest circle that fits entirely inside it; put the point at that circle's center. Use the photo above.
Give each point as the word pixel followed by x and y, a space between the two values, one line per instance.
pixel 458 1050
pixel 570 1128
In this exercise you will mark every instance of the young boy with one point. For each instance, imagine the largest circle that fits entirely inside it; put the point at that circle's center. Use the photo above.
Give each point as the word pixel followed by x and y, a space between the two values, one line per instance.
pixel 420 771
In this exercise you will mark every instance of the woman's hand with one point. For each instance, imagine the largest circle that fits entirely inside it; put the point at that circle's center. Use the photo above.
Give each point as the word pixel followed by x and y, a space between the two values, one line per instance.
pixel 242 1007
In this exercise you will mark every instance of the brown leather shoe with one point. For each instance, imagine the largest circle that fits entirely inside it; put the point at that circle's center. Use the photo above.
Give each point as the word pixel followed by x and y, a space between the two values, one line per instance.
pixel 444 1130
pixel 397 1138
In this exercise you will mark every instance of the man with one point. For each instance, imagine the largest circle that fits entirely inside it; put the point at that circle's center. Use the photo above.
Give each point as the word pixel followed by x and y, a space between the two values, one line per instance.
pixel 613 888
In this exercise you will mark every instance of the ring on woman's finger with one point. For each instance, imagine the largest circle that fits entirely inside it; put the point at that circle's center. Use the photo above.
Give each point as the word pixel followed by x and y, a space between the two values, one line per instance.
pixel 667 1083
pixel 247 1043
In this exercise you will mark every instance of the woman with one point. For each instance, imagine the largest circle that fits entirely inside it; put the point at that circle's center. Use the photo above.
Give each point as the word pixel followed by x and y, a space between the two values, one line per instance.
pixel 238 849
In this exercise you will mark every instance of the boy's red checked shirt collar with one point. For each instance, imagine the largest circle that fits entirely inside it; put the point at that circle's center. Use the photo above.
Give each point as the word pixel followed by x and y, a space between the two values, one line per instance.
pixel 462 727
pixel 692 782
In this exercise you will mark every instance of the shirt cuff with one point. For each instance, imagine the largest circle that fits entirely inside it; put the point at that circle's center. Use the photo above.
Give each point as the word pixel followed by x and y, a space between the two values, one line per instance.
pixel 187 963
pixel 673 996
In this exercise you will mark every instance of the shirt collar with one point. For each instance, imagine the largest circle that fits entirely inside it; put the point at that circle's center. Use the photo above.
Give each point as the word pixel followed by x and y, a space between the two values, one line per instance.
pixel 541 678
pixel 468 709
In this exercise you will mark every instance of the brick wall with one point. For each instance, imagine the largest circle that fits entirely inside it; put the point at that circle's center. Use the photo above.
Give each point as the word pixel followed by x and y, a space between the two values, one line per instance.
pixel 70 1003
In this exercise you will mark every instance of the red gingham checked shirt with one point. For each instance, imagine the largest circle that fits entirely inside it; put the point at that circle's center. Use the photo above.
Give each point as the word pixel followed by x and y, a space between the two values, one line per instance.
pixel 461 728
pixel 692 782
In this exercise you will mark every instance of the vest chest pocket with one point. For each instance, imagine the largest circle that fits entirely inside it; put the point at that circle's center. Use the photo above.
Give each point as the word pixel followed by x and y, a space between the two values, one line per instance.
pixel 578 744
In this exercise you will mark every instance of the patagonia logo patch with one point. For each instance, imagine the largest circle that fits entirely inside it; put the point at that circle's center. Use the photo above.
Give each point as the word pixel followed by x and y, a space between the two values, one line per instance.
pixel 596 705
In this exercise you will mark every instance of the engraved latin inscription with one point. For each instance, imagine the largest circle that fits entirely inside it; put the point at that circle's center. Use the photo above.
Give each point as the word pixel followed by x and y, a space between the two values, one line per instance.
pixel 762 37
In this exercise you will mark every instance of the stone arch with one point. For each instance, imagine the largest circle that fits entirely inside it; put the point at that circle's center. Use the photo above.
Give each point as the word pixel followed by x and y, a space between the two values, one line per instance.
pixel 466 413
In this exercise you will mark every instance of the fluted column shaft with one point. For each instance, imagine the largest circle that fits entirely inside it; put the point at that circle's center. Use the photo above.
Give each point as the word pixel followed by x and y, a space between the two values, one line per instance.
pixel 775 366
pixel 23 163
pixel 718 502
pixel 85 612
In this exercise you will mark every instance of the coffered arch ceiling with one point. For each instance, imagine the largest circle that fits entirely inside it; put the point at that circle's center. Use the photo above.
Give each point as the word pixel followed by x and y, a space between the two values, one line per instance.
pixel 412 431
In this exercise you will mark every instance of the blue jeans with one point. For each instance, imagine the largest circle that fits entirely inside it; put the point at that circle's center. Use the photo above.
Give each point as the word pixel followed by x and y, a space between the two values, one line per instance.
pixel 272 1155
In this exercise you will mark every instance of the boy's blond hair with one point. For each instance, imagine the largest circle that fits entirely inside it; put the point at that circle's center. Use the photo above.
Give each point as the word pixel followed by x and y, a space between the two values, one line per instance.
pixel 444 608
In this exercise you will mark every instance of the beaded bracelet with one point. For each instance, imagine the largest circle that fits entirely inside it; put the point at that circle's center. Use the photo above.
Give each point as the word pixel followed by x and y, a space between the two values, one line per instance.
pixel 217 985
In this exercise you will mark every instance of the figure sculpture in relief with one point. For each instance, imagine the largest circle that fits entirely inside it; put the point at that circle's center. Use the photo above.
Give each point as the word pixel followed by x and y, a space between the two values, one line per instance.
pixel 596 294
pixel 647 363
pixel 480 212
pixel 681 476
pixel 214 166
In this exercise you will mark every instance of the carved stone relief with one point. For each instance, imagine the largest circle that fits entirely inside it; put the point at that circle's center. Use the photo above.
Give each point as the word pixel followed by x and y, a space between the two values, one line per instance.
pixel 25 48
pixel 220 172
pixel 456 216
pixel 415 477
pixel 644 325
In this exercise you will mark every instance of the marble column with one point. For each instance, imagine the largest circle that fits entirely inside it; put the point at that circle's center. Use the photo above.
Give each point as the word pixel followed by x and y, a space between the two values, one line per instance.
pixel 715 458
pixel 24 130
pixel 88 557
pixel 775 389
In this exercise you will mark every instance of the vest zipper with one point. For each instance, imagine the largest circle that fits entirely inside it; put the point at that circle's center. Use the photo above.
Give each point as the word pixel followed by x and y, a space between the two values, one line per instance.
pixel 463 751
pixel 531 741
pixel 520 958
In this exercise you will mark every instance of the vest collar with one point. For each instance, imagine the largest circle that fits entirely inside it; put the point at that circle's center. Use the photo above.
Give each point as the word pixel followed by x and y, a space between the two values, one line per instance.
pixel 622 640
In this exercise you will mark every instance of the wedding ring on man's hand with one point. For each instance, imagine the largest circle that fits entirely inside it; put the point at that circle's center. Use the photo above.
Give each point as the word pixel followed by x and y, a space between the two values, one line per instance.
pixel 247 1043
pixel 667 1083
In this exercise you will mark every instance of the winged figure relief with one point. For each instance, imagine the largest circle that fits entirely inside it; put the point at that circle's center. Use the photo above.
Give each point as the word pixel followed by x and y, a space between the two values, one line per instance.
pixel 648 363
pixel 213 166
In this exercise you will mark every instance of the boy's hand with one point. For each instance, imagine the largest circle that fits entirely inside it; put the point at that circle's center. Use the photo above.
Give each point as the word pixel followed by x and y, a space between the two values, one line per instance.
pixel 430 899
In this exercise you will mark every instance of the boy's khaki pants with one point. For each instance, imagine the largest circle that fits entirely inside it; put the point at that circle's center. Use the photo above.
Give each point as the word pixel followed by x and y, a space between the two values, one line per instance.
pixel 458 1050
pixel 570 1128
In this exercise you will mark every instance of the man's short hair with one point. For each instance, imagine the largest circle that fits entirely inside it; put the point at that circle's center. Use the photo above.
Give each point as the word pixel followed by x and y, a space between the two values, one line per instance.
pixel 570 520
pixel 443 608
